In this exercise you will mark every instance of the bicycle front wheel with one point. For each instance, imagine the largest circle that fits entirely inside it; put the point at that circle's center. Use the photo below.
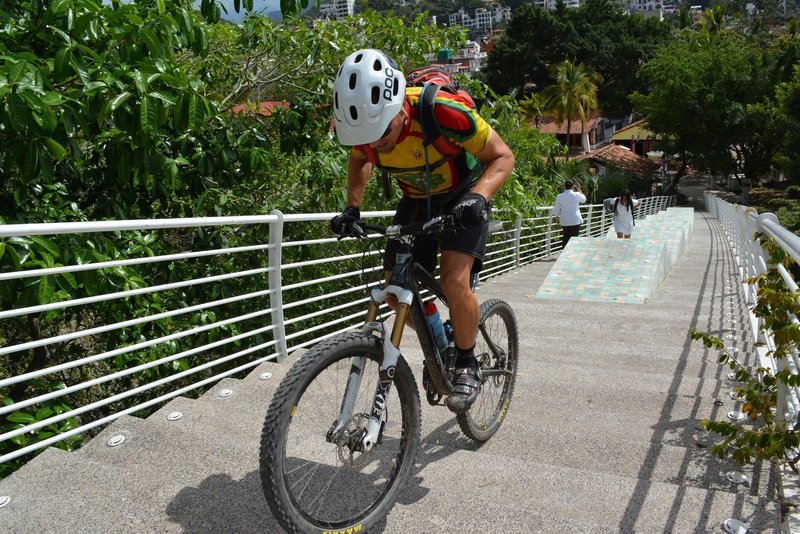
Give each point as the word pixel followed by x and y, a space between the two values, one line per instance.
pixel 315 480
pixel 497 350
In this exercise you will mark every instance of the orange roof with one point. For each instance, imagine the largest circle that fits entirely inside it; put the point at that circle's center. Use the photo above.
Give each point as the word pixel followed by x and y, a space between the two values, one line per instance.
pixel 623 158
pixel 260 108
pixel 549 125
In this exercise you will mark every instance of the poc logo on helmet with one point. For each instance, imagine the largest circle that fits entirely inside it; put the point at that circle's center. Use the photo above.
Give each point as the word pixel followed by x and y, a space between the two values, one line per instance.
pixel 389 83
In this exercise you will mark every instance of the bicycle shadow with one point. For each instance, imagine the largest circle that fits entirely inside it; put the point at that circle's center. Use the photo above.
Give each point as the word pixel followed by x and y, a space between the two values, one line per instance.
pixel 221 504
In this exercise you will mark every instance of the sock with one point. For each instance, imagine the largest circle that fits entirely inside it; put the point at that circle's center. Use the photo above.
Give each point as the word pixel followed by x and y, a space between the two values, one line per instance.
pixel 466 357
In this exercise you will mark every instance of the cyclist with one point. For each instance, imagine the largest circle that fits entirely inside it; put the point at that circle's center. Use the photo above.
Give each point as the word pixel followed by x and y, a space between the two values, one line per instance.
pixel 374 112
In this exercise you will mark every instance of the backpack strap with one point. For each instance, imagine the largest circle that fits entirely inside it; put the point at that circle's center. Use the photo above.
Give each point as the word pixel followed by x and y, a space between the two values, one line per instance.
pixel 431 131
pixel 427 102
pixel 427 110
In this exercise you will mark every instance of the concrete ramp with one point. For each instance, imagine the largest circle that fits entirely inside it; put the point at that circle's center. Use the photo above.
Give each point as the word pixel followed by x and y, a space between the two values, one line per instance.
pixel 620 270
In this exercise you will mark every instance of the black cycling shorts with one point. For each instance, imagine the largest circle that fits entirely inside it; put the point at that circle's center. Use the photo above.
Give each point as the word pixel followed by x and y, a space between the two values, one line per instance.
pixel 470 240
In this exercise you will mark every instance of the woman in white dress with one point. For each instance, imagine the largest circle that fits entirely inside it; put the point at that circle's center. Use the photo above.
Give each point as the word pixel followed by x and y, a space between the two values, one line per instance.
pixel 623 213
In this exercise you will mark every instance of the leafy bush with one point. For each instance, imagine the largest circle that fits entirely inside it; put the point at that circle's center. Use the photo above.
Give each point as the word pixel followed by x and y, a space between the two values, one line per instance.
pixel 793 191
pixel 789 217
pixel 611 182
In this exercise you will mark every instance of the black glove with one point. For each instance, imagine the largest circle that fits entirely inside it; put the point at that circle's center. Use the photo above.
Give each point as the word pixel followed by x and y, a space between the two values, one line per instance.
pixel 470 211
pixel 343 223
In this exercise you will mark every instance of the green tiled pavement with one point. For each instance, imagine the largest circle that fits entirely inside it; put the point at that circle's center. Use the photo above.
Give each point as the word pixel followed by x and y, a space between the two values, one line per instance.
pixel 620 270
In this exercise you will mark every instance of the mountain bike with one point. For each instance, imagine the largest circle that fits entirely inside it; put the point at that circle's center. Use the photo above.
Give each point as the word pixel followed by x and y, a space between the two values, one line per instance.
pixel 343 428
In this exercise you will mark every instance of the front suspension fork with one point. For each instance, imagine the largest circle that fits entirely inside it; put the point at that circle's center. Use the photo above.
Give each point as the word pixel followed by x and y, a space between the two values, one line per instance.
pixel 371 434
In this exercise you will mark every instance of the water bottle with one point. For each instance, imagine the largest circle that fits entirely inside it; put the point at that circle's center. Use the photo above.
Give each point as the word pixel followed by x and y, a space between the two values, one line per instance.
pixel 435 323
pixel 448 331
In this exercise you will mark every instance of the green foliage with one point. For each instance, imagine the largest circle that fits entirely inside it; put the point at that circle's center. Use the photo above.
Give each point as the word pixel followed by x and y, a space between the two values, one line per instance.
pixel 789 217
pixel 611 182
pixel 711 98
pixel 19 419
pixel 793 192
pixel 788 96
pixel 766 438
pixel 96 101
pixel 573 96
pixel 597 34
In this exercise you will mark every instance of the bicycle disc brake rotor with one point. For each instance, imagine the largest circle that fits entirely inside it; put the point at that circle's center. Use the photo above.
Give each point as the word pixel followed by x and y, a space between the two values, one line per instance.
pixel 348 444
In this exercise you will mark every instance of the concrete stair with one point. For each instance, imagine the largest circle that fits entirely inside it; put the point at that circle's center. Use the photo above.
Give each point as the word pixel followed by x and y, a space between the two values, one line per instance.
pixel 602 434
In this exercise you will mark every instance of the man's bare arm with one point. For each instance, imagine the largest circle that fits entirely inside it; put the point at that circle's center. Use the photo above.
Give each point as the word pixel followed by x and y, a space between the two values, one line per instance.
pixel 499 162
pixel 358 172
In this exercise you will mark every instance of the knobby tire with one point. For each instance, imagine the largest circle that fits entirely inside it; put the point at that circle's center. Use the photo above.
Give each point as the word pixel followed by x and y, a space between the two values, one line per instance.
pixel 485 416
pixel 308 485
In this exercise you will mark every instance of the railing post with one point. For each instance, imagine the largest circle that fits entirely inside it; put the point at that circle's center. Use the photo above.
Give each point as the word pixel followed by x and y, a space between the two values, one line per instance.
pixel 518 240
pixel 589 221
pixel 275 285
pixel 548 245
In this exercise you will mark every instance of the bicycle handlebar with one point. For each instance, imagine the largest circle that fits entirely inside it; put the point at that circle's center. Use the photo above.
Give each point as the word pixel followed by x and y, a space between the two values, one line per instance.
pixel 435 225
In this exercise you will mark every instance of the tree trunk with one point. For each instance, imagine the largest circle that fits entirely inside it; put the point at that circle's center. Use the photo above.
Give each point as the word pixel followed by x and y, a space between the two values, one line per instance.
pixel 569 125
pixel 672 187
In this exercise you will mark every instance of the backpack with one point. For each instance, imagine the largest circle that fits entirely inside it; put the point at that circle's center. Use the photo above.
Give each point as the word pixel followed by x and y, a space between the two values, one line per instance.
pixel 432 79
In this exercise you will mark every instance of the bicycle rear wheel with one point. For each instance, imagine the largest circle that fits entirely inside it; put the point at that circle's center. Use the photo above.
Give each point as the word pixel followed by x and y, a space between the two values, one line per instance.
pixel 498 328
pixel 318 483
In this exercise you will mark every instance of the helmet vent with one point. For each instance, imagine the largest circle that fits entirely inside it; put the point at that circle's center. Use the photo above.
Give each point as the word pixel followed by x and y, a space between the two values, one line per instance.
pixel 353 80
pixel 376 94
pixel 353 113
pixel 358 58
pixel 376 65
pixel 396 87
pixel 336 100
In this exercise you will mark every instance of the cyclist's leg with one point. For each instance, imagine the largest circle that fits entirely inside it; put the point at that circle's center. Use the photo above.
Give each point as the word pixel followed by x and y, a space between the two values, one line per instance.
pixel 455 272
pixel 462 254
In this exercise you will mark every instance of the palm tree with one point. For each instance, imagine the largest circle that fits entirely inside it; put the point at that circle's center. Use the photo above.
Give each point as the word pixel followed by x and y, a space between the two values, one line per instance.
pixel 714 19
pixel 573 96
pixel 532 108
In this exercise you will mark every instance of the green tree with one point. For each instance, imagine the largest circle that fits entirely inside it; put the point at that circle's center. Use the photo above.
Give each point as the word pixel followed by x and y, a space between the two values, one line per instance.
pixel 711 101
pixel 532 108
pixel 573 96
pixel 788 97
pixel 598 35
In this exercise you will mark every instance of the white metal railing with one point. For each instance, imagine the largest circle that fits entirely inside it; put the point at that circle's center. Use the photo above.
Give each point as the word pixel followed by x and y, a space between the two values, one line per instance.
pixel 256 289
pixel 740 225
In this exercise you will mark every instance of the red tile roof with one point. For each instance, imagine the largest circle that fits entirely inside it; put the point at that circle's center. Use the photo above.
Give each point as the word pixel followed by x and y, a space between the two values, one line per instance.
pixel 549 125
pixel 622 158
pixel 260 108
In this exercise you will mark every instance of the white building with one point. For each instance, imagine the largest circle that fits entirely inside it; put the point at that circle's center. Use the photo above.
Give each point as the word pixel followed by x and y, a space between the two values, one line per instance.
pixel 338 9
pixel 483 20
pixel 551 4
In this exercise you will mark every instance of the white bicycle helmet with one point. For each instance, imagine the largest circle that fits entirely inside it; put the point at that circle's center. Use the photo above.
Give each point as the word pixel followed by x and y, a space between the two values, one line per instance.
pixel 368 93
